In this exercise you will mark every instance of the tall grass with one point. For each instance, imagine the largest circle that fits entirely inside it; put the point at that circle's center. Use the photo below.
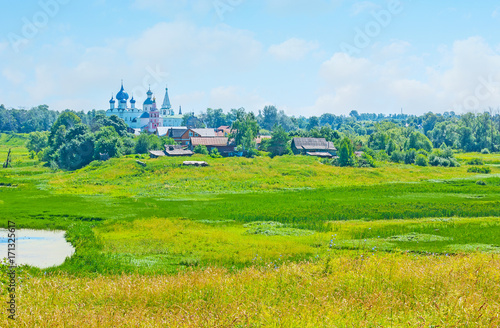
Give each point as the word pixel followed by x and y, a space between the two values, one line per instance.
pixel 383 290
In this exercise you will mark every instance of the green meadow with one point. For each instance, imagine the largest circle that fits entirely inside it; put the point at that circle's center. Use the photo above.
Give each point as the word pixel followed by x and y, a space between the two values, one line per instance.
pixel 242 218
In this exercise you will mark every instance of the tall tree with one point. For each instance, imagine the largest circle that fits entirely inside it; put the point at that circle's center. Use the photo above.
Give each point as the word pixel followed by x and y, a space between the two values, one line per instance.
pixel 346 152
pixel 279 142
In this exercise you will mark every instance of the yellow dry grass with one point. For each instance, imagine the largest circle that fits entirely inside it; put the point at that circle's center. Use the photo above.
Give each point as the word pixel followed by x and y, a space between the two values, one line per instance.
pixel 381 290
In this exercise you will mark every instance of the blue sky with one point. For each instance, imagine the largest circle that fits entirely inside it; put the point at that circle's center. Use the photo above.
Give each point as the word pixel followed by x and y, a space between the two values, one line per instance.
pixel 306 57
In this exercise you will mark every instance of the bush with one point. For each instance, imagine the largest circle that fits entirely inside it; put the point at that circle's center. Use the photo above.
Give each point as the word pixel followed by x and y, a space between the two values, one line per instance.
pixel 252 152
pixel 475 161
pixel 142 144
pixel 476 169
pixel 485 151
pixel 397 156
pixel 201 149
pixel 382 156
pixel 366 161
pixel 215 153
pixel 423 152
pixel 443 157
pixel 421 160
pixel 481 183
pixel 410 156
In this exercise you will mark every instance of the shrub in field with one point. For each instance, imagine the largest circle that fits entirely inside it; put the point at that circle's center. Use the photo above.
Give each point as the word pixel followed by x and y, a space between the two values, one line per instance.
pixel 475 161
pixel 481 183
pixel 382 156
pixel 397 156
pixel 421 160
pixel 443 157
pixel 410 156
pixel 215 153
pixel 485 151
pixel 476 169
pixel 201 149
pixel 366 161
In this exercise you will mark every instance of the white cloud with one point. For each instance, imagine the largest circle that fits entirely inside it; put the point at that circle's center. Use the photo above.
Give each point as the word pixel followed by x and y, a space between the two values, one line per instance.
pixel 472 82
pixel 495 12
pixel 186 44
pixel 362 6
pixel 13 76
pixel 293 49
pixel 396 48
pixel 3 46
pixel 166 52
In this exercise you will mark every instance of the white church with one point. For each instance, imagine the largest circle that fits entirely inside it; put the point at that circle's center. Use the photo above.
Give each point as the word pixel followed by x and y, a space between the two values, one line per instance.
pixel 149 118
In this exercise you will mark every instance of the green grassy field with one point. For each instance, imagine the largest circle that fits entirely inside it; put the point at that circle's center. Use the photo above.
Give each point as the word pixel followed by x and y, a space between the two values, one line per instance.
pixel 303 227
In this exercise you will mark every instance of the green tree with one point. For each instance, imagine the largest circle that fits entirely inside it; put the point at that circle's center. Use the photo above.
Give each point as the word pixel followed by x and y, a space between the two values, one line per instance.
pixel 101 120
pixel 418 141
pixel 142 144
pixel 410 156
pixel 313 122
pixel 346 152
pixel 279 142
pixel 67 120
pixel 37 141
pixel 168 141
pixel 107 141
pixel 397 156
pixel 421 160
pixel 76 153
pixel 270 117
pixel 201 149
pixel 245 129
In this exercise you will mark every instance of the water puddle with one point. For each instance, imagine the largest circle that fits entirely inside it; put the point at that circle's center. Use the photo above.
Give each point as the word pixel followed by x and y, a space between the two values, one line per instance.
pixel 39 248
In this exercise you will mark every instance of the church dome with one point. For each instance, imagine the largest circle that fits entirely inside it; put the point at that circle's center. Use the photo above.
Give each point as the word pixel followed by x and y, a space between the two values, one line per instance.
pixel 132 101
pixel 145 115
pixel 122 95
pixel 112 101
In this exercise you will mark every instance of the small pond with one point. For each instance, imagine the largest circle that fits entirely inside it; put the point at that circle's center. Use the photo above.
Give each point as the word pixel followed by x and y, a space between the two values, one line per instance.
pixel 39 248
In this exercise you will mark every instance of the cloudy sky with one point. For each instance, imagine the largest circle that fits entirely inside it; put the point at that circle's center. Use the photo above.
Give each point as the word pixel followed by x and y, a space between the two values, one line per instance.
pixel 306 57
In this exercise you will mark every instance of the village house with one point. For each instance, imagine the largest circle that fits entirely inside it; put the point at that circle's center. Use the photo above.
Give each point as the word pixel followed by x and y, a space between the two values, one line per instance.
pixel 313 147
pixel 224 131
pixel 182 134
pixel 222 144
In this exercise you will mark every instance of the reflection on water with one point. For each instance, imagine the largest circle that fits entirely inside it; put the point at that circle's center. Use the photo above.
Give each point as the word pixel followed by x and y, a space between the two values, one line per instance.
pixel 40 248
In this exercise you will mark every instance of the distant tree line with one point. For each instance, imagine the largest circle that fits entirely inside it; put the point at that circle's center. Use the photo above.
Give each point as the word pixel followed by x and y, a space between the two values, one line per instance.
pixel 38 118
pixel 72 139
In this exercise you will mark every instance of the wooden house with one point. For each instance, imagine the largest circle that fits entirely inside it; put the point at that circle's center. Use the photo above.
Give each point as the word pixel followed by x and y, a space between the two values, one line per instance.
pixel 313 147
pixel 222 144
